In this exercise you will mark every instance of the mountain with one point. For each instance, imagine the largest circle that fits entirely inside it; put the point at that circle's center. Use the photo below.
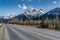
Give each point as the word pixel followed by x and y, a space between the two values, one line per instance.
pixel 28 14
pixel 33 15
pixel 34 12
pixel 3 20
pixel 52 14
pixel 6 18
pixel 9 16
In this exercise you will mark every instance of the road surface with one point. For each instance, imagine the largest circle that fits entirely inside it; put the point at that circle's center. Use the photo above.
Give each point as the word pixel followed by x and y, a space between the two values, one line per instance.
pixel 18 32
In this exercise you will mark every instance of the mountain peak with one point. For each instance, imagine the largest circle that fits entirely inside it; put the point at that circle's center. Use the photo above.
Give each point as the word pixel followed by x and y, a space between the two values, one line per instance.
pixel 54 11
pixel 52 14
pixel 57 8
pixel 34 12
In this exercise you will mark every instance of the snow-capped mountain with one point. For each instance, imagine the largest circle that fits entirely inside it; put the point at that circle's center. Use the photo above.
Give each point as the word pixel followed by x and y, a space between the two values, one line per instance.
pixel 9 16
pixel 6 18
pixel 3 19
pixel 34 12
pixel 31 14
pixel 55 11
pixel 34 15
pixel 52 13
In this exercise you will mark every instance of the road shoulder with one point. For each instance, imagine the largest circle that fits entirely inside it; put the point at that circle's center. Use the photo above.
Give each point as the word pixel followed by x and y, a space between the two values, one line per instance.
pixel 2 33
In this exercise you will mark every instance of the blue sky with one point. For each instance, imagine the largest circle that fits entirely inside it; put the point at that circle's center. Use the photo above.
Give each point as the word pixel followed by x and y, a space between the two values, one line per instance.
pixel 8 7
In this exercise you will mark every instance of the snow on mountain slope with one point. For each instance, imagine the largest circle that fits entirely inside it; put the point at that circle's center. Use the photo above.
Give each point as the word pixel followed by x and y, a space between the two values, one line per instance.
pixel 9 16
pixel 34 12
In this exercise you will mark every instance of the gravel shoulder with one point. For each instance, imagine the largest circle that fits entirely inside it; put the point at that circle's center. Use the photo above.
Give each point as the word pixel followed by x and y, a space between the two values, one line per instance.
pixel 2 33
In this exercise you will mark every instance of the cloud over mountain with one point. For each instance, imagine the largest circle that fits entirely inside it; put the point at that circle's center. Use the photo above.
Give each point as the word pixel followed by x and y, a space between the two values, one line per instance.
pixel 54 2
pixel 23 6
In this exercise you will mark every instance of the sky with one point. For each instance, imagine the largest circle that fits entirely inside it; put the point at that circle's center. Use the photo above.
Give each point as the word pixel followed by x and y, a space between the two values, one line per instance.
pixel 16 7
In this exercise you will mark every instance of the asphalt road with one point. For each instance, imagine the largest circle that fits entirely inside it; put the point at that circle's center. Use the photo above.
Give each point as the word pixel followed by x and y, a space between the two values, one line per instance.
pixel 18 32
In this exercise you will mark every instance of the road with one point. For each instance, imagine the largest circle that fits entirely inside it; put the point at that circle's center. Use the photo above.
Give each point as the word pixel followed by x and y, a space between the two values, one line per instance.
pixel 18 32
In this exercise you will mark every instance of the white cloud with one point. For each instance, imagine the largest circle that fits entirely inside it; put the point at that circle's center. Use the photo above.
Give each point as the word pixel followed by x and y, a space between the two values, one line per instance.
pixel 54 2
pixel 23 6
pixel 31 7
pixel 19 6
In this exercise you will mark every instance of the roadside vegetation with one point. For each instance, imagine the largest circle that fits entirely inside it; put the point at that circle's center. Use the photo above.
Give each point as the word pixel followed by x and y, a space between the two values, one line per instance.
pixel 0 25
pixel 44 23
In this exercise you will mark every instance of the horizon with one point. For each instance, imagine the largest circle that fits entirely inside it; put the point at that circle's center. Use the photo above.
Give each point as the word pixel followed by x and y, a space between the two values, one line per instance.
pixel 16 7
